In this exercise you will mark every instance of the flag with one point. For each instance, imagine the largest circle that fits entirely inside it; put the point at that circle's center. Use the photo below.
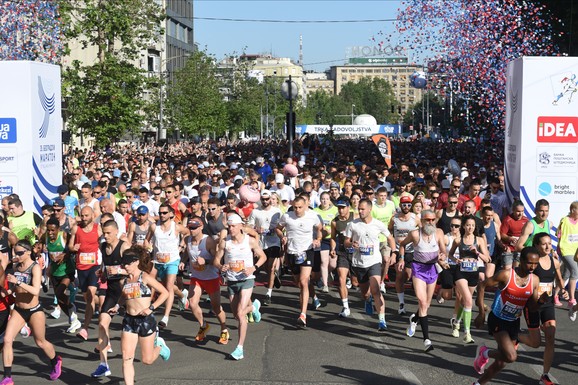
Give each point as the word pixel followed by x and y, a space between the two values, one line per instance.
pixel 384 147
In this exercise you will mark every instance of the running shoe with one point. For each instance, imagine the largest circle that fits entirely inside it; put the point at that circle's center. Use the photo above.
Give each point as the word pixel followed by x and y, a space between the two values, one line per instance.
pixel 267 300
pixel 345 312
pixel 316 303
pixel 545 380
pixel 571 303
pixel 56 313
pixel 557 302
pixel 439 298
pixel 44 285
pixel 7 381
pixel 165 352
pixel 369 306
pixel 455 328
pixel 277 281
pixel 302 321
pixel 325 289
pixel 427 346
pixel 183 300
pixel 237 354
pixel 202 333
pixel 224 337
pixel 468 339
pixel 163 322
pixel 401 309
pixel 382 326
pixel 102 371
pixel 412 326
pixel 74 323
pixel 348 283
pixel 572 314
pixel 480 361
pixel 250 318
pixel 57 369
pixel 382 288
pixel 256 313
pixel 25 331
pixel 82 333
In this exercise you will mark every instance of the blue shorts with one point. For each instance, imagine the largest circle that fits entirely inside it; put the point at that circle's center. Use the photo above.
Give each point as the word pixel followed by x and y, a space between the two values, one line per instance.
pixel 164 269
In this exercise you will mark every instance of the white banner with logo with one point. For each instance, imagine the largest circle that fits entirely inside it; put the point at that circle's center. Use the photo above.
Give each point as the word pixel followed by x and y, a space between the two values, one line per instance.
pixel 541 147
pixel 347 129
pixel 30 132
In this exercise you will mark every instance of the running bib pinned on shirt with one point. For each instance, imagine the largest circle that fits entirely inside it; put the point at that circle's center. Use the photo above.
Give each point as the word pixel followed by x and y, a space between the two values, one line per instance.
pixel 113 270
pixel 163 257
pixel 512 310
pixel 87 258
pixel 132 290
pixel 469 266
pixel 545 288
pixel 366 250
pixel 237 266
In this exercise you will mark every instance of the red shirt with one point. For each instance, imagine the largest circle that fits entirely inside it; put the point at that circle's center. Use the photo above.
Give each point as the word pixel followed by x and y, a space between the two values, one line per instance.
pixel 512 228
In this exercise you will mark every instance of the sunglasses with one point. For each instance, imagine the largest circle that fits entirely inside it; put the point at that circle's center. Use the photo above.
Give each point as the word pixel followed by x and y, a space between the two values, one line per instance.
pixel 97 192
pixel 405 205
pixel 369 193
pixel 75 174
pixel 453 202
pixel 58 210
pixel 141 215
pixel 212 208
pixel 163 212
pixel 432 191
pixel 265 199
pixel 455 226
pixel 456 186
pixel 20 253
pixel 428 219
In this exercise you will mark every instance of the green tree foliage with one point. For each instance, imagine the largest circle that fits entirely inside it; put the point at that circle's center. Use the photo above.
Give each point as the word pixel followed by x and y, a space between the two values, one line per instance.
pixel 194 103
pixel 105 98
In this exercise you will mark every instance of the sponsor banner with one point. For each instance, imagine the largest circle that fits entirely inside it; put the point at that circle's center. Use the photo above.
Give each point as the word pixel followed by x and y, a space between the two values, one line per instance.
pixel 340 129
pixel 555 189
pixel 556 159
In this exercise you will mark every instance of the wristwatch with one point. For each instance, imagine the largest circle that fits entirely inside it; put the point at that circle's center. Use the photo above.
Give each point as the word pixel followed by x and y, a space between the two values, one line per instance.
pixel 152 307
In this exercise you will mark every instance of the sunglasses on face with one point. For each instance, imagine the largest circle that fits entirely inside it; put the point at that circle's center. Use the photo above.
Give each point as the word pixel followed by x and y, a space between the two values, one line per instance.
pixel 453 203
pixel 455 226
pixel 57 210
pixel 21 252
pixel 163 212
pixel 405 205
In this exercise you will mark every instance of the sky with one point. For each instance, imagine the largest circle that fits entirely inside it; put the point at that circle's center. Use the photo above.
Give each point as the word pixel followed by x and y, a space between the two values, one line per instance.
pixel 324 44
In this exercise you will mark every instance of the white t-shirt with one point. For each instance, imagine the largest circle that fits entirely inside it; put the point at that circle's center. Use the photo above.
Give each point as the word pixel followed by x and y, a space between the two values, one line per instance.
pixel 153 207
pixel 286 193
pixel 267 220
pixel 300 231
pixel 367 235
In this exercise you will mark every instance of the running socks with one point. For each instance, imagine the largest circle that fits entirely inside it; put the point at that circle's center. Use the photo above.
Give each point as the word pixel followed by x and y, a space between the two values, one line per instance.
pixel 53 362
pixel 400 297
pixel 467 315
pixel 424 326
pixel 345 303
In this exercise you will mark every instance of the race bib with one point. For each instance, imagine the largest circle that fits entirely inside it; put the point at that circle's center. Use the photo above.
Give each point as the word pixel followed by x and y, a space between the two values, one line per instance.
pixel 113 270
pixel 54 255
pixel 23 277
pixel 87 258
pixel 237 266
pixel 366 250
pixel 545 288
pixel 163 257
pixel 195 265
pixel 512 310
pixel 132 290
pixel 350 250
pixel 573 238
pixel 469 266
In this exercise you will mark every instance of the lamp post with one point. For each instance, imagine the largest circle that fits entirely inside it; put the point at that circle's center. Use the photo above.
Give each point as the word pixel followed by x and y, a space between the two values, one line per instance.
pixel 352 116
pixel 289 91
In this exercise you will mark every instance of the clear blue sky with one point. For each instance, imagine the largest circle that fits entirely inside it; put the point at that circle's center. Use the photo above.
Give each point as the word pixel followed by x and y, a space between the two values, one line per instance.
pixel 322 42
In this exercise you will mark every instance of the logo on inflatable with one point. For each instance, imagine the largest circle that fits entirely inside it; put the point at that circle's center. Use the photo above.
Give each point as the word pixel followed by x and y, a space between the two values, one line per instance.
pixel 557 129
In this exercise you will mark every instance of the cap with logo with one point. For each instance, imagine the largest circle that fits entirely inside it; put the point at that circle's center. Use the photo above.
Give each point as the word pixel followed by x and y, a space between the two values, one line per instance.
pixel 279 178
pixel 265 194
pixel 405 199
pixel 334 185
pixel 58 202
pixel 142 210
pixel 343 201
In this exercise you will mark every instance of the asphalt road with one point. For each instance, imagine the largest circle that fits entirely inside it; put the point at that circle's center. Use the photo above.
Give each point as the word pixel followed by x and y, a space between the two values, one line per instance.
pixel 330 351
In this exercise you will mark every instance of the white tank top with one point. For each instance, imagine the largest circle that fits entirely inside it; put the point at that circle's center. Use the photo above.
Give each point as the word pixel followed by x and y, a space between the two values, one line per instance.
pixel 207 271
pixel 166 247
pixel 238 256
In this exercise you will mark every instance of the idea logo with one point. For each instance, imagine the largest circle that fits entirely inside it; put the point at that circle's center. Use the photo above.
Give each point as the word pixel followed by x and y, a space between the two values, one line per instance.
pixel 557 129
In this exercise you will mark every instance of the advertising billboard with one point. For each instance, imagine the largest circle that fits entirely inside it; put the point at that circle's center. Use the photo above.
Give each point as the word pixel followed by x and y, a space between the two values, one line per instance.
pixel 30 132
pixel 541 152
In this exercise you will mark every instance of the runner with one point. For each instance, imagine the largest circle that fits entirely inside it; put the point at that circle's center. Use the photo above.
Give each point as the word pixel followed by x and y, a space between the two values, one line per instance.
pixel 516 287
pixel 237 251
pixel 326 211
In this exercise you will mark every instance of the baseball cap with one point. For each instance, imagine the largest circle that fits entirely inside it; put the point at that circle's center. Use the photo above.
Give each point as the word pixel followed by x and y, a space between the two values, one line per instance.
pixel 142 209
pixel 129 257
pixel 194 224
pixel 445 184
pixel 62 189
pixel 234 219
pixel 405 199
pixel 265 193
pixel 334 185
pixel 279 178
pixel 342 202
pixel 58 202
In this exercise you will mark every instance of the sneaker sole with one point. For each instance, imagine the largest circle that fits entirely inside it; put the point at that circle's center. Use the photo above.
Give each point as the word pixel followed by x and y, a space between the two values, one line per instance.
pixel 480 370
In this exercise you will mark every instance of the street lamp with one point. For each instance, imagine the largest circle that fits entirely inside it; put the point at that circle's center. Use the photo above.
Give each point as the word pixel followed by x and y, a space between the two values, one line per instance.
pixel 352 116
pixel 289 91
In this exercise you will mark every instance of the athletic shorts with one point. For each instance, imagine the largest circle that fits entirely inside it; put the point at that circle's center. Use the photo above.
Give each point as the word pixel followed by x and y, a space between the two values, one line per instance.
pixel 447 277
pixel 26 314
pixel 344 260
pixel 87 278
pixel 144 326
pixel 296 265
pixel 56 281
pixel 508 258
pixel 471 276
pixel 273 252
pixel 235 287
pixel 363 273
pixel 316 261
pixel 545 314
pixel 4 315
pixel 112 295
pixel 164 269
pixel 325 244
pixel 496 325
pixel 209 285
pixel 424 272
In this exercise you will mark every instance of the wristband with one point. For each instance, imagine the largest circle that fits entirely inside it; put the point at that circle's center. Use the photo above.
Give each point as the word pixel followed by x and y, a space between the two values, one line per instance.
pixel 401 257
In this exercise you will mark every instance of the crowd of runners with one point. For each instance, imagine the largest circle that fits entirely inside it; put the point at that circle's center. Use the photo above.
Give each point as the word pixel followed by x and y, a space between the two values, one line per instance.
pixel 139 230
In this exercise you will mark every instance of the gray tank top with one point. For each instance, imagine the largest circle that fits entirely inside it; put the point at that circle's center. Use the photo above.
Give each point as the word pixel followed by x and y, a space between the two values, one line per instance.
pixel 139 235
pixel 401 229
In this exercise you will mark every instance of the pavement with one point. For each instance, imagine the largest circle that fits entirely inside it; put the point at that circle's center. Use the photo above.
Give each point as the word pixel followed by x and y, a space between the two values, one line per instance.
pixel 331 350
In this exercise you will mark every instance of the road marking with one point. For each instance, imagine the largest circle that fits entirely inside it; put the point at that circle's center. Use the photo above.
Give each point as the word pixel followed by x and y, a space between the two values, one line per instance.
pixel 380 344
pixel 409 376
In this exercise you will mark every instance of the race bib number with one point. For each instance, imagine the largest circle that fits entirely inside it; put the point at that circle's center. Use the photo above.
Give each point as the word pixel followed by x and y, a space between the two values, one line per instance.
pixel 237 266
pixel 23 277
pixel 163 257
pixel 195 265
pixel 132 290
pixel 512 310
pixel 573 238
pixel 350 250
pixel 545 288
pixel 366 250
pixel 113 270
pixel 54 255
pixel 87 258
pixel 469 266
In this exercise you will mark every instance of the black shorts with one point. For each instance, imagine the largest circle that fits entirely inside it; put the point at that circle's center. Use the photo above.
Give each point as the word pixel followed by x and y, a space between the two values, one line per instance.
pixel 344 260
pixel 446 277
pixel 317 261
pixel 144 326
pixel 295 263
pixel 535 318
pixel 471 276
pixel 4 315
pixel 112 296
pixel 273 252
pixel 87 278
pixel 363 273
pixel 325 244
pixel 496 325
pixel 56 281
pixel 27 313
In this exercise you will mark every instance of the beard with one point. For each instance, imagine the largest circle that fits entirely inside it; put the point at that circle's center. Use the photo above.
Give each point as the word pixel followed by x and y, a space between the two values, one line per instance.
pixel 429 229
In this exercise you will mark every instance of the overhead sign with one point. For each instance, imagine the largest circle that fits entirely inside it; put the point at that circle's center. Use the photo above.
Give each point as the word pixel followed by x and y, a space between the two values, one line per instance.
pixel 377 51
pixel 378 60
pixel 341 129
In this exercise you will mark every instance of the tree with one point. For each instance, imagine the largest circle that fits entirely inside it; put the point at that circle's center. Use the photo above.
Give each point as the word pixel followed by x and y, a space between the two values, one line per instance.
pixel 105 99
pixel 194 103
